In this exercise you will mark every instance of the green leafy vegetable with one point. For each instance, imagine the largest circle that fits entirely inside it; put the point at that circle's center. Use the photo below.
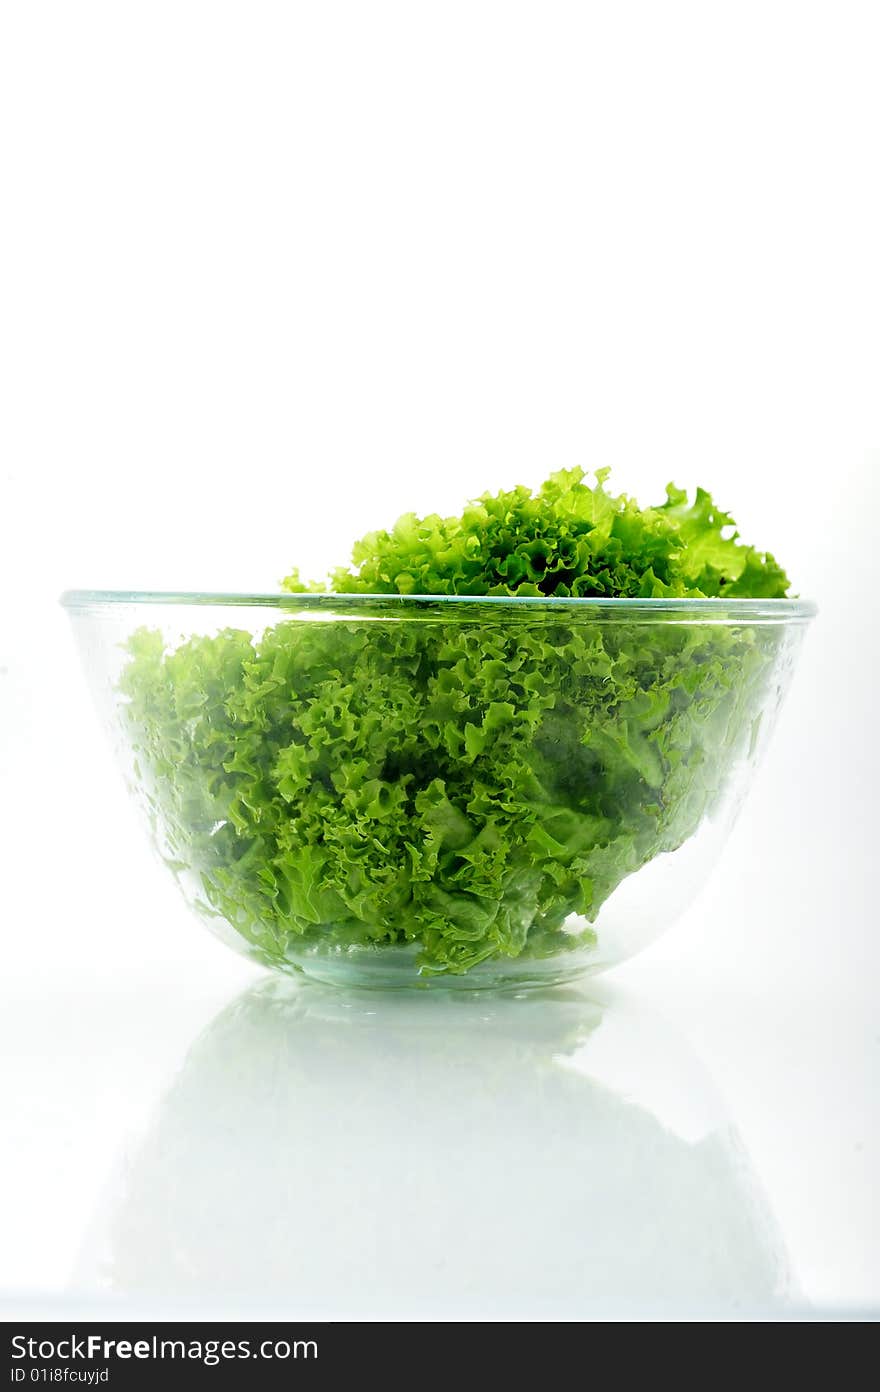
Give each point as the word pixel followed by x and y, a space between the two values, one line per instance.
pixel 477 785
pixel 566 540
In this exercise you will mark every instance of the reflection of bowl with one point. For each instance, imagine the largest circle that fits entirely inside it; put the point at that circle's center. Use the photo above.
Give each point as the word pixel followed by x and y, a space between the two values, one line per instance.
pixel 394 790
pixel 342 1155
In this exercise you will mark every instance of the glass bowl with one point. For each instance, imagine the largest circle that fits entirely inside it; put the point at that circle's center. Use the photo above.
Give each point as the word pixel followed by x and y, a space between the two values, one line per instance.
pixel 437 791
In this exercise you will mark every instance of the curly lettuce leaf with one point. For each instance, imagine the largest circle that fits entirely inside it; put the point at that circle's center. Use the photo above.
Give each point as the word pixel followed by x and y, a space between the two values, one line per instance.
pixel 477 790
pixel 568 539
pixel 473 789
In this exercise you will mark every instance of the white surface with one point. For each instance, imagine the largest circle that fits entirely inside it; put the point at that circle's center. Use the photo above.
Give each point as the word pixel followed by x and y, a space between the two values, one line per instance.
pixel 273 274
pixel 721 1152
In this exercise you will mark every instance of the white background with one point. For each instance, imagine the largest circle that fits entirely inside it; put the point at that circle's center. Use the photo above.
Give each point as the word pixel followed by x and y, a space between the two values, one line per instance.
pixel 272 274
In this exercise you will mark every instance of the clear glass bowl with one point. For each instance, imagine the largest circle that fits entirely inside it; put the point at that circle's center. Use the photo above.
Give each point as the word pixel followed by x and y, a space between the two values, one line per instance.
pixel 437 791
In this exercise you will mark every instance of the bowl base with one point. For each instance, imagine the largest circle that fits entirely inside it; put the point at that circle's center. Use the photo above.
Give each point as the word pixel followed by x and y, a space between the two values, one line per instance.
pixel 385 969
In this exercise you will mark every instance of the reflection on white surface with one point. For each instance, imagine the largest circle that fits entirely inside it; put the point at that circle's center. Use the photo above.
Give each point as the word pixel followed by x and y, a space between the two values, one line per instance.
pixel 364 1155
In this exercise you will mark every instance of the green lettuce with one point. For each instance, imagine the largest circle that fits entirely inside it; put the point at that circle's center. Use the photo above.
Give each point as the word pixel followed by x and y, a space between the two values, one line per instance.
pixel 567 540
pixel 475 785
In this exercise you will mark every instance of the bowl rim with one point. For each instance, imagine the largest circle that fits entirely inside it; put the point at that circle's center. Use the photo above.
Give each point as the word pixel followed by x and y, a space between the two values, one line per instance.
pixel 705 609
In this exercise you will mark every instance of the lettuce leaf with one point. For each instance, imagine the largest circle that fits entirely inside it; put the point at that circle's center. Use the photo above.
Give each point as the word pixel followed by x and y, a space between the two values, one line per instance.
pixel 475 788
pixel 568 539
